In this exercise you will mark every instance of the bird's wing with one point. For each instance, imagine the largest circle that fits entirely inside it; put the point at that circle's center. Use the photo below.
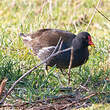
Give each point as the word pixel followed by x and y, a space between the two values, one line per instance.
pixel 50 37
pixel 46 38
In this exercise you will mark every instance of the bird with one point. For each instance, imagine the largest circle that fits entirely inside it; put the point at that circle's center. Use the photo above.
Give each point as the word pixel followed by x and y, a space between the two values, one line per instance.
pixel 44 41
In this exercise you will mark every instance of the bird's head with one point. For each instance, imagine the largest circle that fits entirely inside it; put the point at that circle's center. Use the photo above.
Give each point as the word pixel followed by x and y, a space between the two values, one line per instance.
pixel 86 39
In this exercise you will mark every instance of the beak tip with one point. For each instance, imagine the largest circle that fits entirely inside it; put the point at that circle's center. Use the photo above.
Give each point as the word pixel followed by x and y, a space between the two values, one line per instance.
pixel 92 45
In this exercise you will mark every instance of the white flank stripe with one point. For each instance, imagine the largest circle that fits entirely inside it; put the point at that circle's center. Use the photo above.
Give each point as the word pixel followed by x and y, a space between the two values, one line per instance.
pixel 45 50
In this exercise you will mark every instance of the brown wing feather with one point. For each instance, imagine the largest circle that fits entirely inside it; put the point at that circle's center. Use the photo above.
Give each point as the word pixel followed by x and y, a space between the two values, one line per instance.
pixel 49 37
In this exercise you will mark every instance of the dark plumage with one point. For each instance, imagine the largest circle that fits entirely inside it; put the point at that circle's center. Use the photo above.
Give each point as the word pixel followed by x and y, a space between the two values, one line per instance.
pixel 43 43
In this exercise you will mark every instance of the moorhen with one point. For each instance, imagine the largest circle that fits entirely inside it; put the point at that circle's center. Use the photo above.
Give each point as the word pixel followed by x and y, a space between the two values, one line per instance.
pixel 44 41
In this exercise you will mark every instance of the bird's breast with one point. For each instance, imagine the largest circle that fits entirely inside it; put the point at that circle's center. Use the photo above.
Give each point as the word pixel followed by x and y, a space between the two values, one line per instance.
pixel 80 57
pixel 62 60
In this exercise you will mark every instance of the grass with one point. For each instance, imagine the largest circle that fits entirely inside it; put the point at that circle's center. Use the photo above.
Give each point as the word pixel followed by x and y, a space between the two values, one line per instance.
pixel 30 15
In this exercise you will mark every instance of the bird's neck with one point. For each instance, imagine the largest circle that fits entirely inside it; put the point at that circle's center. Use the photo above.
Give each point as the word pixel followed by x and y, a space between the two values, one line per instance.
pixel 77 44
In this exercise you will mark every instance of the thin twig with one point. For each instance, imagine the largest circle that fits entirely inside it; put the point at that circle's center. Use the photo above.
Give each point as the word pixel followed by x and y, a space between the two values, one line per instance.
pixel 69 68
pixel 25 74
pixel 103 15
pixel 60 45
pixel 54 51
pixel 57 46
pixel 93 15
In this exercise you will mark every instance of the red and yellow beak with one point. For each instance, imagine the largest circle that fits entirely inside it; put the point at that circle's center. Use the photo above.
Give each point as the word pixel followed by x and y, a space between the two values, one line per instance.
pixel 90 41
